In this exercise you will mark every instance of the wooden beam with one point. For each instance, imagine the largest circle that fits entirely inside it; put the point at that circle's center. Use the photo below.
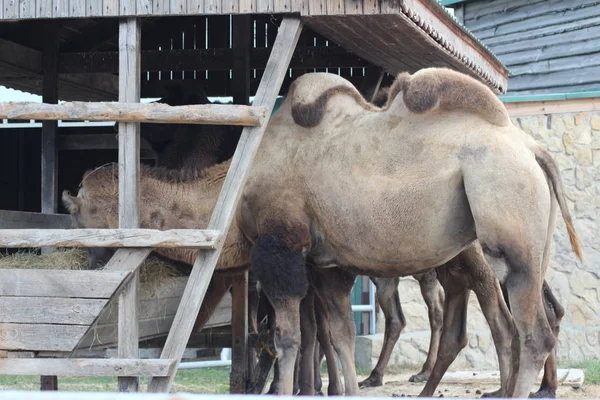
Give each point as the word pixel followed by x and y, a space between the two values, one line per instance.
pixel 49 337
pixel 242 43
pixel 129 187
pixel 224 210
pixel 372 82
pixel 59 283
pixel 125 237
pixel 239 334
pixel 86 367
pixel 50 310
pixel 49 382
pixel 50 128
pixel 214 59
pixel 31 220
pixel 131 112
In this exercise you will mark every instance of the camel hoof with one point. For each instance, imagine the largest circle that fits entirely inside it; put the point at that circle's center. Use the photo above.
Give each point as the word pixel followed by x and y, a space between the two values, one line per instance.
pixel 495 393
pixel 371 381
pixel 543 394
pixel 422 377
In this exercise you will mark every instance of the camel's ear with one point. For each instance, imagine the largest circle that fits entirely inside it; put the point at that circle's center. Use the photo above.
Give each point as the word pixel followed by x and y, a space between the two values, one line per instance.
pixel 70 202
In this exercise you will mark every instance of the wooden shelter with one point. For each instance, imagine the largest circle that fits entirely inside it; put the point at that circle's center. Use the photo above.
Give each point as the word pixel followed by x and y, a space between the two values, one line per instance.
pixel 106 50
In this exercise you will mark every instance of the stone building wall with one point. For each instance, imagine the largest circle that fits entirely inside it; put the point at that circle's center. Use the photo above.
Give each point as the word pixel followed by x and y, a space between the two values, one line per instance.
pixel 574 141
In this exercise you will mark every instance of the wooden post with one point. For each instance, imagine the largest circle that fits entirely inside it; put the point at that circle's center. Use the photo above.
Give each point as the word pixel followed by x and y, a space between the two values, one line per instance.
pixel 224 210
pixel 129 176
pixel 239 334
pixel 49 150
pixel 241 366
pixel 371 83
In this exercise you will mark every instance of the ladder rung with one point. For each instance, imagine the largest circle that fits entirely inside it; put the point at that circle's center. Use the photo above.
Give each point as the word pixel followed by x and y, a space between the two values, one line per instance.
pixel 190 238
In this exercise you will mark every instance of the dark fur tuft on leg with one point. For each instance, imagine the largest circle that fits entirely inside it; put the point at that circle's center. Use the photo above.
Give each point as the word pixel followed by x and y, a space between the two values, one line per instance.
pixel 280 269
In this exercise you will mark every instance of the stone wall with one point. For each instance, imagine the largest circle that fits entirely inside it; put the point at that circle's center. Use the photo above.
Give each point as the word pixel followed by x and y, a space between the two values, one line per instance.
pixel 574 141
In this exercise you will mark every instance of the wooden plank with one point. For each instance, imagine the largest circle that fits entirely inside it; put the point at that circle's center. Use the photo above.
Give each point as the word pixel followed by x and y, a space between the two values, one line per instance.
pixel 59 283
pixel 197 7
pixel 40 337
pixel 193 238
pixel 93 8
pixel 239 334
pixel 26 9
pixel 31 220
pixel 282 6
pixel 129 188
pixel 161 7
pixel 285 43
pixel 144 7
pixel 110 7
pixel 61 8
pixel 353 7
pixel 11 9
pixel 87 367
pixel 127 7
pixel 242 42
pixel 553 107
pixel 209 114
pixel 50 310
pixel 76 8
pixel 49 179
pixel 48 382
pixel 178 7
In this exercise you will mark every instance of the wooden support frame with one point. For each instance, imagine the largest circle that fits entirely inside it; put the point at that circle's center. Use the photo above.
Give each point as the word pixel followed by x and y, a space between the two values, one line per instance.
pixel 129 189
pixel 128 111
pixel 122 237
pixel 85 367
pixel 281 54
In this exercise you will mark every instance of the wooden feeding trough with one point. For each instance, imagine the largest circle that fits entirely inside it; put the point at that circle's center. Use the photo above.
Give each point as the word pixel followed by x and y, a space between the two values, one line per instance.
pixel 56 314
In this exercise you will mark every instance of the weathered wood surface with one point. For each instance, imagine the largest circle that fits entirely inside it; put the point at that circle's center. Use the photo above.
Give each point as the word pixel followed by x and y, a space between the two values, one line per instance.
pixel 549 46
pixel 193 238
pixel 157 308
pixel 283 48
pixel 40 337
pixel 86 367
pixel 129 185
pixel 239 334
pixel 212 114
pixel 50 310
pixel 31 220
pixel 48 382
pixel 59 283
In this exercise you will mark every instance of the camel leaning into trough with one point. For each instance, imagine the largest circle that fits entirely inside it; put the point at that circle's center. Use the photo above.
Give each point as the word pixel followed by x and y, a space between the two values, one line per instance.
pixel 325 246
pixel 453 169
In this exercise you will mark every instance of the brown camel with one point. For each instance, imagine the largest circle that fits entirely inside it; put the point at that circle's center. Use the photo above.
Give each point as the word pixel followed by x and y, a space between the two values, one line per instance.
pixel 428 190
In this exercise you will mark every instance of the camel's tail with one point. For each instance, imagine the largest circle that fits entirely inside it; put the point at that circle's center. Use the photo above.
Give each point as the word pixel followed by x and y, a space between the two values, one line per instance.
pixel 545 161
pixel 445 89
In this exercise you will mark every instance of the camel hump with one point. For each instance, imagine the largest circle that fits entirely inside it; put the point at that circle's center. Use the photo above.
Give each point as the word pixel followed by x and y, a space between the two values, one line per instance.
pixel 447 90
pixel 310 94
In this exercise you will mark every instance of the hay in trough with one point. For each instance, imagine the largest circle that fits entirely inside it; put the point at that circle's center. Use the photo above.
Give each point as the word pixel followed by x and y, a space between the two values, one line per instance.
pixel 155 271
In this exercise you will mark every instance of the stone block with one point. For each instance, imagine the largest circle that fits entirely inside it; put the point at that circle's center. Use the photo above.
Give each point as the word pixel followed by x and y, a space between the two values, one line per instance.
pixel 595 122
pixel 580 118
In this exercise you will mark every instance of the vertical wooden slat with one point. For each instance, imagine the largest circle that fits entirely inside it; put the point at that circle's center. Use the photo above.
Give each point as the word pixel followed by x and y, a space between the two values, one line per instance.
pixel 144 7
pixel 370 7
pixel 317 7
pixel 26 9
pixel 218 37
pixel 300 6
pixel 242 43
pixel 127 7
pixel 177 7
pixel 372 82
pixel 230 6
pixel 58 8
pixel 282 6
pixel 239 333
pixel 160 7
pixel 110 7
pixel 195 7
pixel 264 6
pixel 212 7
pixel 353 6
pixel 49 191
pixel 247 6
pixel 76 8
pixel 200 39
pixel 335 7
pixel 11 9
pixel 129 193
pixel 93 8
pixel 228 199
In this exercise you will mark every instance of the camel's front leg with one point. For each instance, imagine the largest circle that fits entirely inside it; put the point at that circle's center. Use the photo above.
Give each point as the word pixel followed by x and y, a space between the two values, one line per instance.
pixel 324 335
pixel 389 300
pixel 433 294
pixel 454 330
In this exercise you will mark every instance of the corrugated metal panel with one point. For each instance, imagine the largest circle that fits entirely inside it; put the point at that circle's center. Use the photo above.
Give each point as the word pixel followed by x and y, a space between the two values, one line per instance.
pixel 548 45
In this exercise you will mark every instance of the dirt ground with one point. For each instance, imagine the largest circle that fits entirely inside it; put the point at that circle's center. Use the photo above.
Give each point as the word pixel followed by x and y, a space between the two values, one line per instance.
pixel 397 385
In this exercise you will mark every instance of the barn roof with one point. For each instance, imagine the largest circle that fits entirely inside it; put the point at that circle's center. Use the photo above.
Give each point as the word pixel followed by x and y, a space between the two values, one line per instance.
pixel 347 36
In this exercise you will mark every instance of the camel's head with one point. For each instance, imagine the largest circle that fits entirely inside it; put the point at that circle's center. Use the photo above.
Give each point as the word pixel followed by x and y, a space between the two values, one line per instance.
pixel 95 206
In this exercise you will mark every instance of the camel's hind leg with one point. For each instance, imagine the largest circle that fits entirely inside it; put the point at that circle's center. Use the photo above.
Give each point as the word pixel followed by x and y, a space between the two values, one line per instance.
pixel 324 335
pixel 305 363
pixel 334 288
pixel 454 331
pixel 433 294
pixel 389 300
pixel 513 226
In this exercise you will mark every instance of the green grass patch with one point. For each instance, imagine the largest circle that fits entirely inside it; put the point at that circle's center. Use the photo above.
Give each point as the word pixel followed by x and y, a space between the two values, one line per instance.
pixel 205 380
pixel 591 369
